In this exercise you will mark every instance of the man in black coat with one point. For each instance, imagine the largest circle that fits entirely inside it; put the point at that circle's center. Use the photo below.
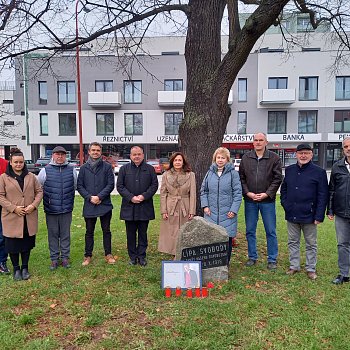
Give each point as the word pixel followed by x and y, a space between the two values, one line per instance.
pixel 304 196
pixel 339 210
pixel 95 184
pixel 137 183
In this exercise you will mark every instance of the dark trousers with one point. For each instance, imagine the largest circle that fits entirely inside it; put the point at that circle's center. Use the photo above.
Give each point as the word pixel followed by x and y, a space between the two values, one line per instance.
pixel 136 229
pixel 105 222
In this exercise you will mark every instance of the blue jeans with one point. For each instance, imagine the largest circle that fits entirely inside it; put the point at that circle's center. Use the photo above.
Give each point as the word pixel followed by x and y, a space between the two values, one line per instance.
pixel 342 229
pixel 268 214
pixel 3 254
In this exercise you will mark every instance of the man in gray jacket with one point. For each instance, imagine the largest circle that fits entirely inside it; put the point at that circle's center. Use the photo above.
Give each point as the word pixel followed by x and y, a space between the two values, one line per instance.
pixel 261 175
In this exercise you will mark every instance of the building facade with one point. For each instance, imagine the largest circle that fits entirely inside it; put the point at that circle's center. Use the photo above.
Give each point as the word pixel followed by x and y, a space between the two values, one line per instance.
pixel 290 94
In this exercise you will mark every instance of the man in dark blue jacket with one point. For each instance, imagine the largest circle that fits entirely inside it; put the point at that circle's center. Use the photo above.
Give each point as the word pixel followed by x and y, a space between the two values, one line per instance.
pixel 137 183
pixel 95 184
pixel 304 196
pixel 59 181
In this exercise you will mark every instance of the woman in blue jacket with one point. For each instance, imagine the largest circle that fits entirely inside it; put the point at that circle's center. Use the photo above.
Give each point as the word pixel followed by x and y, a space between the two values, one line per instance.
pixel 221 194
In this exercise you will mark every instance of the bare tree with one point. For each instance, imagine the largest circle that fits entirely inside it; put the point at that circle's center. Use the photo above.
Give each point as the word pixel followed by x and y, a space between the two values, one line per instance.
pixel 36 24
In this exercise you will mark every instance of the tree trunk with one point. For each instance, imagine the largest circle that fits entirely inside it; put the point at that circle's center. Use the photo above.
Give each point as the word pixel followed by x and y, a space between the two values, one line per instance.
pixel 206 110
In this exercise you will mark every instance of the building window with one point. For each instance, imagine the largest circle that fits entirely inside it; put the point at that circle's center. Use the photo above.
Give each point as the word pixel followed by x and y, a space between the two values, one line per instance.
pixel 42 92
pixel 304 25
pixel 242 123
pixel 132 91
pixel 172 122
pixel 242 90
pixel 278 83
pixel 342 121
pixel 307 122
pixel 277 122
pixel 103 85
pixel 173 85
pixel 133 123
pixel 9 123
pixel 308 88
pixel 67 124
pixel 342 88
pixel 66 91
pixel 104 124
pixel 44 124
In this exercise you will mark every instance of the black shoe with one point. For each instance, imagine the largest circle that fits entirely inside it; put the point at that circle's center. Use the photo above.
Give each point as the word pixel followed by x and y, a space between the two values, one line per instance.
pixel 340 280
pixel 271 266
pixel 250 263
pixel 132 262
pixel 142 262
pixel 25 274
pixel 17 275
pixel 3 269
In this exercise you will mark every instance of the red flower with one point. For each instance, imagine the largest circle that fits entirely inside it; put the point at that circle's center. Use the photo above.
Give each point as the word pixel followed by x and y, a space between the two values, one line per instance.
pixel 210 285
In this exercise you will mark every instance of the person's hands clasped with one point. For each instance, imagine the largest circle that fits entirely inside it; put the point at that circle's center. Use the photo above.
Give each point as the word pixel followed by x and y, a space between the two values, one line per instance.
pixel 165 216
pixel 29 209
pixel 95 200
pixel 137 199
pixel 20 211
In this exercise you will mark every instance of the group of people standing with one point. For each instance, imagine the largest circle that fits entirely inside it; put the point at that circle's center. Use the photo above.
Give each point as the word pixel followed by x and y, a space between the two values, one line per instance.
pixel 305 194
pixel 21 193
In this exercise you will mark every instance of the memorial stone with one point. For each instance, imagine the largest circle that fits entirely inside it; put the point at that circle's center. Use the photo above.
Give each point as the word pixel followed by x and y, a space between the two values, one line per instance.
pixel 203 241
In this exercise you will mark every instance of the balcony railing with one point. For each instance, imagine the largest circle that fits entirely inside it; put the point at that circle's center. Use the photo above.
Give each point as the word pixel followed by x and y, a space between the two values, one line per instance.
pixel 177 98
pixel 277 96
pixel 104 99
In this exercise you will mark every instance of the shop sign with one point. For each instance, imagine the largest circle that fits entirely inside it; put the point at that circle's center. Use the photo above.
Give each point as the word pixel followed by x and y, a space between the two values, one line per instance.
pixel 238 138
pixel 337 137
pixel 168 138
pixel 118 139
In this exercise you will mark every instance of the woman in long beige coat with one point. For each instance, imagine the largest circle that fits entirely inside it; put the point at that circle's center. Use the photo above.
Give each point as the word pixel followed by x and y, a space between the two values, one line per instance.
pixel 177 201
pixel 20 196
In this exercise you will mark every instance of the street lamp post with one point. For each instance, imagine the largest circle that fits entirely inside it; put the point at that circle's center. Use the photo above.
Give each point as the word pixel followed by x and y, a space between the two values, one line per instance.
pixel 80 118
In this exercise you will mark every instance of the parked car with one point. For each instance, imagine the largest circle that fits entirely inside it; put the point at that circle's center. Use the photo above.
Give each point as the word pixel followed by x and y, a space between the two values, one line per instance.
pixel 236 163
pixel 75 163
pixel 32 167
pixel 156 165
pixel 42 162
pixel 165 163
pixel 120 163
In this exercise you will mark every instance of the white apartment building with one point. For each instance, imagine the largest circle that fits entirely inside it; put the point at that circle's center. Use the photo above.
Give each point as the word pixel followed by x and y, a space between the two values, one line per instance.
pixel 290 95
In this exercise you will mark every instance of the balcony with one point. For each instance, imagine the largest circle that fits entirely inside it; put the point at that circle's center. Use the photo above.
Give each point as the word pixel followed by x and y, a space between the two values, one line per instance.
pixel 277 96
pixel 171 98
pixel 177 98
pixel 104 99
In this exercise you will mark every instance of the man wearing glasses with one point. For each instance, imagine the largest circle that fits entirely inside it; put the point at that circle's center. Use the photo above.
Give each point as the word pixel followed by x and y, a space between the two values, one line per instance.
pixel 304 196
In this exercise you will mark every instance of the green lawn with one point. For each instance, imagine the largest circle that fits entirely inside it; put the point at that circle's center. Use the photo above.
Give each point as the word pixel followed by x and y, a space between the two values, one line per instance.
pixel 123 307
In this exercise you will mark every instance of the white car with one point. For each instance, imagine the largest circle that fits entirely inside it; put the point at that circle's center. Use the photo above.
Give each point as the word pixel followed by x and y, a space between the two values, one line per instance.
pixel 120 163
pixel 236 163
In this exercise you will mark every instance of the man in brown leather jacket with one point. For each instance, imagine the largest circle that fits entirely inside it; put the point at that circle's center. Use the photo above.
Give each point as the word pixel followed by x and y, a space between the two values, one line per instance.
pixel 261 175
